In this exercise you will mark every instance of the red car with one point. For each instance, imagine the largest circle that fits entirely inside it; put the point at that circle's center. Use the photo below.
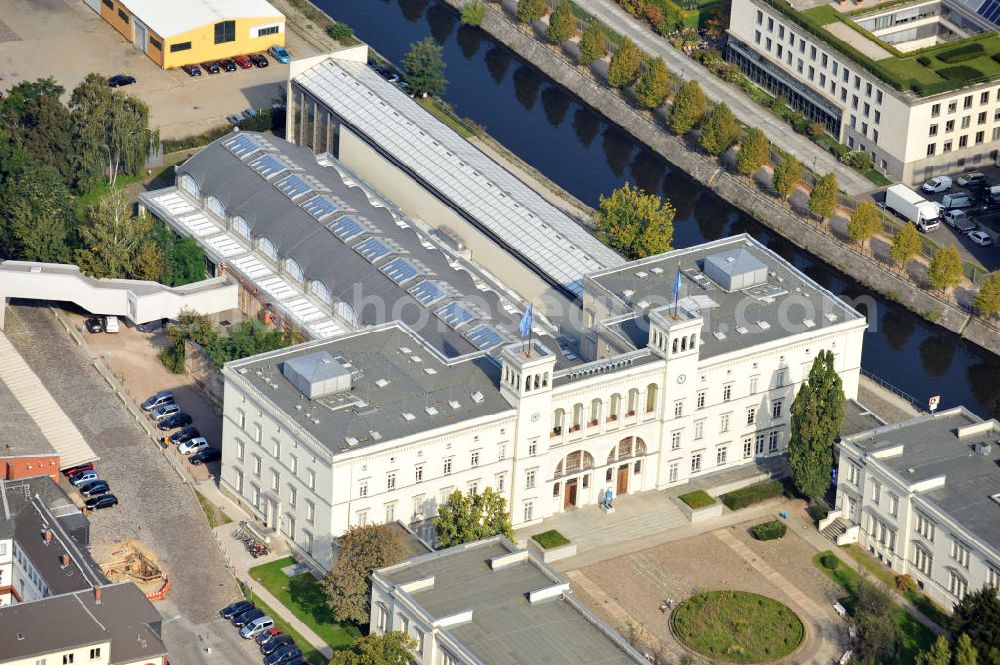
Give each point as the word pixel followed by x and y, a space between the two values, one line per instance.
pixel 243 61
pixel 89 466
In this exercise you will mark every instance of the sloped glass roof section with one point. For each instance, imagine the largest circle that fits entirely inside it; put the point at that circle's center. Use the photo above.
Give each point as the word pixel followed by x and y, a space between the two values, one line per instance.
pixel 347 228
pixel 484 336
pixel 268 166
pixel 456 314
pixel 293 186
pixel 320 207
pixel 401 270
pixel 428 292
pixel 243 145
pixel 373 249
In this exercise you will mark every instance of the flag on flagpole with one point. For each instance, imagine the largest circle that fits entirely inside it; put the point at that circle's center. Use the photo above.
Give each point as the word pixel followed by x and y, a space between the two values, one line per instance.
pixel 677 289
pixel 526 321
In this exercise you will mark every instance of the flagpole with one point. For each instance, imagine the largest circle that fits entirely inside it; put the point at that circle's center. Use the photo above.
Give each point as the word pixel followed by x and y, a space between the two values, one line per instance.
pixel 530 326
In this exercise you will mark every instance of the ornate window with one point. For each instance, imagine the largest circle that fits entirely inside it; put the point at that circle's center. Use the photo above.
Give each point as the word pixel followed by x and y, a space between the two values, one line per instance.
pixel 268 249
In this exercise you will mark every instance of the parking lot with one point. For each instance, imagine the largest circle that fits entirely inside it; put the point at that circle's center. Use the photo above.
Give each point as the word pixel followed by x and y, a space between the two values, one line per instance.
pixel 66 40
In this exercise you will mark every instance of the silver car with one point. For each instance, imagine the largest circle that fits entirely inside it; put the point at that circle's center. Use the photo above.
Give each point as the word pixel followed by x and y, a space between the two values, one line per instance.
pixel 165 411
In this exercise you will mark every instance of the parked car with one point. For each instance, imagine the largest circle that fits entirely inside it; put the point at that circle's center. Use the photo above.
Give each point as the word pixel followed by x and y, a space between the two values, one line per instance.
pixel 195 445
pixel 101 502
pixel 174 421
pixel 935 185
pixel 111 324
pixel 244 618
pixel 256 627
pixel 952 201
pixel 959 219
pixel 165 411
pixel 118 80
pixel 243 61
pixel 259 60
pixel 227 64
pixel 82 478
pixel 94 325
pixel 96 488
pixel 280 54
pixel 149 326
pixel 279 642
pixel 268 635
pixel 283 655
pixel 72 471
pixel 971 179
pixel 192 70
pixel 211 67
pixel 158 400
pixel 981 238
pixel 205 455
pixel 183 435
pixel 235 607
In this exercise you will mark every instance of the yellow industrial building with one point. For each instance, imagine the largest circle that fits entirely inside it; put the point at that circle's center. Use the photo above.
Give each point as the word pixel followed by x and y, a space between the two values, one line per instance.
pixel 180 32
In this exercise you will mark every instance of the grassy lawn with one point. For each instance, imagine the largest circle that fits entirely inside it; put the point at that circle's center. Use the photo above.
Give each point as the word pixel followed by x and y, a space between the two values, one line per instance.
pixel 914 636
pixel 926 606
pixel 304 597
pixel 308 651
pixel 738 626
pixel 549 539
pixel 214 516
pixel 450 119
pixel 697 499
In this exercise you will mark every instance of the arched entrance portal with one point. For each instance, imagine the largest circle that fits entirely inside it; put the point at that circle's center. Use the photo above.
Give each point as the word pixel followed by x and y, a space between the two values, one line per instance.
pixel 577 464
pixel 622 463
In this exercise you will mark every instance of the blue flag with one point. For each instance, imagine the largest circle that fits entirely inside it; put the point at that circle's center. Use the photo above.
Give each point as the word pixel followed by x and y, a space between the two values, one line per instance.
pixel 526 321
pixel 677 284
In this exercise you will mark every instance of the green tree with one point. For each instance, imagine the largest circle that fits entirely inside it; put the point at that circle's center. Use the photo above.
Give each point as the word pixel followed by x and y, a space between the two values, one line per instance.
pixel 186 262
pixel 978 616
pixel 249 338
pixel 341 32
pixel 529 11
pixel 593 44
pixel 624 65
pixel 90 107
pixel 754 152
pixel 787 176
pixel 817 413
pixel 130 138
pixel 877 632
pixel 348 584
pixel 424 68
pixel 988 298
pixel 690 106
pixel 473 13
pixel 394 648
pixel 46 135
pixel 36 216
pixel 115 243
pixel 946 268
pixel 823 198
pixel 938 654
pixel 193 326
pixel 635 223
pixel 562 23
pixel 965 652
pixel 865 222
pixel 905 244
pixel 720 130
pixel 654 83
pixel 466 518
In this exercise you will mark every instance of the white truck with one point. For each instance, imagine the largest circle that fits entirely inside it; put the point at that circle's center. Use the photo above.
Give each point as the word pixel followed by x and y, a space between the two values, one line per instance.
pixel 906 203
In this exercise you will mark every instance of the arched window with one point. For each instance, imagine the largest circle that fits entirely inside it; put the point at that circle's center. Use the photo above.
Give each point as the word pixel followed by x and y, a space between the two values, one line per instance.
pixel 294 270
pixel 190 185
pixel 628 447
pixel 616 407
pixel 633 401
pixel 267 248
pixel 558 417
pixel 320 290
pixel 595 411
pixel 651 398
pixel 215 206
pixel 577 417
pixel 242 227
pixel 575 462
pixel 383 617
pixel 346 312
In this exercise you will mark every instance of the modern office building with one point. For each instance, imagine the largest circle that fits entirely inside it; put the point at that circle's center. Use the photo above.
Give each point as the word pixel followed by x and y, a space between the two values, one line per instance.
pixel 182 32
pixel 490 603
pixel 56 605
pixel 915 85
pixel 381 425
pixel 923 497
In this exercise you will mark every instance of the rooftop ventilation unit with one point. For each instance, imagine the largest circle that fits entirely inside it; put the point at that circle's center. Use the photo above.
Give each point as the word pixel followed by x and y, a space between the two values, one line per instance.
pixel 982 449
pixel 317 374
pixel 735 269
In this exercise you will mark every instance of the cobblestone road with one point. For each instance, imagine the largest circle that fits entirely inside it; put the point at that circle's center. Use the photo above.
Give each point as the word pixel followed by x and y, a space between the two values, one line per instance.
pixel 155 507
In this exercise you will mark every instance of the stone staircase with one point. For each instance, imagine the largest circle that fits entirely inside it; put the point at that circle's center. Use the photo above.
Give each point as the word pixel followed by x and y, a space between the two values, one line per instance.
pixel 835 529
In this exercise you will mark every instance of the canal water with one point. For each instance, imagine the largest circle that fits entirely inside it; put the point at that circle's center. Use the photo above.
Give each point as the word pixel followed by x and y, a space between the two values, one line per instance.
pixel 578 149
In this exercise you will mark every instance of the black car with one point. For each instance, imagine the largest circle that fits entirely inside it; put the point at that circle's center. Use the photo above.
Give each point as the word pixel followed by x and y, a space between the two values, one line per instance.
pixel 174 421
pixel 150 326
pixel 95 325
pixel 95 488
pixel 192 70
pixel 118 80
pixel 205 456
pixel 159 399
pixel 283 655
pixel 276 643
pixel 227 65
pixel 103 501
pixel 267 636
pixel 244 618
pixel 234 608
pixel 212 67
pixel 259 60
pixel 183 435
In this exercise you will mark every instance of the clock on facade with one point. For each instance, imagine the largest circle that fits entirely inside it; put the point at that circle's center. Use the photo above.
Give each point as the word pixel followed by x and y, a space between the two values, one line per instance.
pixel 681 378
pixel 535 417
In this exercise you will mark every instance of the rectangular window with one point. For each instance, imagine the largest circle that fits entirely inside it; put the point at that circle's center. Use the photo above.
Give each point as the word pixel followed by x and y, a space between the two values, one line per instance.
pixel 240 450
pixel 293 495
pixel 946 146
pixel 311 479
pixel 923 561
pixel 95 653
pixel 984 97
pixel 675 440
pixel 747 447
pixel 256 465
pixel 501 481
pixel 760 17
pixel 960 553
pixel 474 458
pixel 447 466
pixel 699 429
pixel 981 118
pixel 529 478
pixel 772 441
pixel 672 478
pixel 925 527
pixel 225 31
pixel 529 511
pixel 390 480
pixel 156 43
pixel 362 488
pixel 310 511
pixel 751 415
pixel 770 24
pixel 532 448
pixel 966 119
pixel 727 392
pixel 753 384
pixel 779 380
pixel 501 452
pixel 275 480
pixel 67 659
pixel 759 443
pixel 952 106
pixel 767 43
pixel 979 137
pixel 269 30
pixel 700 403
pixel 721 455
pixel 109 4
pixel 180 46
pixel 876 493
pixel 935 110
pixel 993 577
pixel 257 432
pixel 963 141
pixel 781 31
pixel 967 102
pixel 756 36
pixel 696 463
pixel 933 130
pixel 724 422
pixel 123 15
pixel 958 586
pixel 812 52
pixel 776 408
pixel 678 409
pixel 931 149
pixel 893 505
pixel 822 60
pixel 853 474
pixel 390 512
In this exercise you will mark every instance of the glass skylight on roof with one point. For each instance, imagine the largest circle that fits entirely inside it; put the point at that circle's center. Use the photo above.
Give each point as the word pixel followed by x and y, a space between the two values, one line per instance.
pixel 373 249
pixel 400 270
pixel 243 145
pixel 347 228
pixel 484 336
pixel 428 292
pixel 268 166
pixel 293 186
pixel 456 314
pixel 320 207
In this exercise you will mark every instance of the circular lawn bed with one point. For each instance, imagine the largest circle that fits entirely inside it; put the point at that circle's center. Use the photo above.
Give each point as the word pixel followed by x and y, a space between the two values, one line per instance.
pixel 737 626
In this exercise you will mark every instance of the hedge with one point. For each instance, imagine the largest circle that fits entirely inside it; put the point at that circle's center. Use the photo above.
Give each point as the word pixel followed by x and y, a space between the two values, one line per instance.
pixel 818 512
pixel 959 73
pixel 961 54
pixel 549 539
pixel 753 494
pixel 769 530
pixel 697 499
